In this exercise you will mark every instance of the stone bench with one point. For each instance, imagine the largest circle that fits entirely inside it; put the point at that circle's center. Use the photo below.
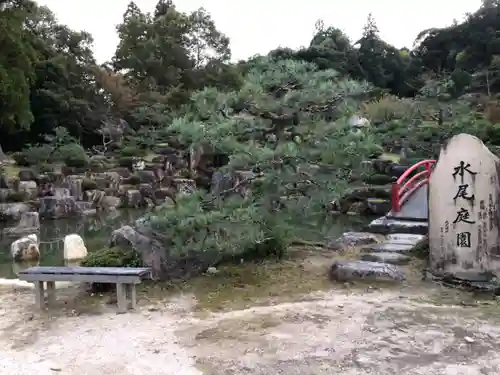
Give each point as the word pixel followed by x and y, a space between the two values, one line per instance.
pixel 125 279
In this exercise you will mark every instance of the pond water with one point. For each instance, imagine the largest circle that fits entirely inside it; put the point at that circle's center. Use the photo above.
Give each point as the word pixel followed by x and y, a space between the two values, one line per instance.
pixel 96 232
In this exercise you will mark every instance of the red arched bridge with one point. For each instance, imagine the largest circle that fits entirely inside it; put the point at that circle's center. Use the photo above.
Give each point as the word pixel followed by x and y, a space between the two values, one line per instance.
pixel 410 192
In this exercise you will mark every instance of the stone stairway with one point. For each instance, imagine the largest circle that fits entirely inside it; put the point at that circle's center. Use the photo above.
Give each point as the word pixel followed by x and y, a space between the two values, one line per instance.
pixel 396 249
pixel 386 225
pixel 378 260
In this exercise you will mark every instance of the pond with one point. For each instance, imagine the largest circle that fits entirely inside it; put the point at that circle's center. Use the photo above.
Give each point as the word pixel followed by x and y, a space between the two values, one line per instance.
pixel 96 232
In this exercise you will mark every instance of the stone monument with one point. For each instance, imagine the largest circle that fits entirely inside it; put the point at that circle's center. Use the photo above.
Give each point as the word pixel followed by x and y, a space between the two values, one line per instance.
pixel 464 189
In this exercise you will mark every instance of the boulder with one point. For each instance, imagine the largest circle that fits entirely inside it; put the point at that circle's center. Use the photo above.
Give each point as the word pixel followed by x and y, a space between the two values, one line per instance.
pixel 58 207
pixel 165 266
pixel 138 165
pixel 352 239
pixel 132 199
pixel 110 203
pixel 358 122
pixel 351 270
pixel 29 223
pixel 378 206
pixel 184 186
pixel 25 249
pixel 74 247
pixel 4 195
pixel 60 192
pixel 13 211
pixel 29 189
pixel 361 194
pixel 27 175
pixel 151 252
pixel 75 185
pixel 146 176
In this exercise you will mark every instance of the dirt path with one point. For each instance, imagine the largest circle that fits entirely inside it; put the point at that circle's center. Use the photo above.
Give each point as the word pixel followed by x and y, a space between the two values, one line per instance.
pixel 349 332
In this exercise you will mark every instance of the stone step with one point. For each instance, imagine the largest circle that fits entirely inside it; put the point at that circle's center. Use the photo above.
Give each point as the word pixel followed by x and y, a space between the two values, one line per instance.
pixel 389 258
pixel 401 242
pixel 405 238
pixel 385 225
pixel 387 247
pixel 378 206
pixel 350 270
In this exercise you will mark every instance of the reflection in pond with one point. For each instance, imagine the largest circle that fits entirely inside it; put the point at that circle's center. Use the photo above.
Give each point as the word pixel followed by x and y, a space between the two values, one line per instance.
pixel 95 231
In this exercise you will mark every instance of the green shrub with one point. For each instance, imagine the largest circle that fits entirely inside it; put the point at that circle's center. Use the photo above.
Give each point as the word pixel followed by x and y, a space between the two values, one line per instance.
pixel 33 155
pixel 73 155
pixel 20 159
pixel 126 162
pixel 129 151
pixel 387 108
pixel 112 257
pixel 45 168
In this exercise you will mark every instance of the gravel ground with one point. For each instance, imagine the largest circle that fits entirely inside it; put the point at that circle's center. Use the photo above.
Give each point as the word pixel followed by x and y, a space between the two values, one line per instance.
pixel 358 332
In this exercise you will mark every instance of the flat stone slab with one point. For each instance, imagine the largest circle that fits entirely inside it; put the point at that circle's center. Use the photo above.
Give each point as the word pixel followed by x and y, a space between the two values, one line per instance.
pixel 345 270
pixel 351 239
pixel 405 238
pixel 385 225
pixel 387 247
pixel 389 258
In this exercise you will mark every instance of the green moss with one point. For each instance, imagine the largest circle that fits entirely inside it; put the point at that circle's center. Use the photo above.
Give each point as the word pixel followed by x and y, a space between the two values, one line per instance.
pixel 392 157
pixel 421 249
pixel 245 285
pixel 112 257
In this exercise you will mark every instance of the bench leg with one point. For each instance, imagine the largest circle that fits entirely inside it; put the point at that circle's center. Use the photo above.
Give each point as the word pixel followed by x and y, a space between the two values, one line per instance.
pixel 51 293
pixel 39 295
pixel 121 294
pixel 132 295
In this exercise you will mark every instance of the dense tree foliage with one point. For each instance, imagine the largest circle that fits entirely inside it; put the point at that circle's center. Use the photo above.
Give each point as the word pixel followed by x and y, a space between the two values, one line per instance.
pixel 49 77
pixel 283 117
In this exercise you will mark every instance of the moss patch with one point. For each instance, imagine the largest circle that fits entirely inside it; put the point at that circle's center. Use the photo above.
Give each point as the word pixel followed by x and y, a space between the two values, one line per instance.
pixel 112 257
pixel 10 171
pixel 392 157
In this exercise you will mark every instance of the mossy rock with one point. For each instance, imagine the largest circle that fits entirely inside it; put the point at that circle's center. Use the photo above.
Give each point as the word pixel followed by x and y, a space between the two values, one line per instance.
pixel 89 184
pixel 131 151
pixel 133 180
pixel 421 249
pixel 379 179
pixel 112 257
pixel 126 162
pixel 16 197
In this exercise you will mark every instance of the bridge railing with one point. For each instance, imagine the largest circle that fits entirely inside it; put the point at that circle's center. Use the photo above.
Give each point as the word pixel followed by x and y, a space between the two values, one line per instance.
pixel 405 186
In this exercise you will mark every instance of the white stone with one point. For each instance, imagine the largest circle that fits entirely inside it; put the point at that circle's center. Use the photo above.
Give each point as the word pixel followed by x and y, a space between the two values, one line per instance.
pixel 358 122
pixel 25 249
pixel 139 165
pixel 464 233
pixel 74 247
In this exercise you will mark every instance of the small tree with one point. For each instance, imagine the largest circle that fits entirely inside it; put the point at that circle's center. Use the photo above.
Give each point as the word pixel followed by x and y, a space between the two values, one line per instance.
pixel 288 125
